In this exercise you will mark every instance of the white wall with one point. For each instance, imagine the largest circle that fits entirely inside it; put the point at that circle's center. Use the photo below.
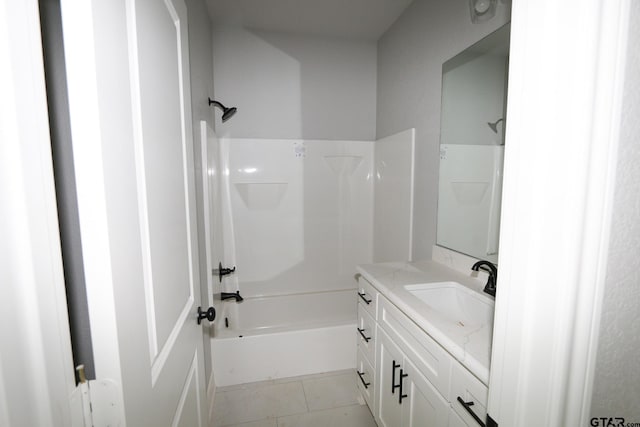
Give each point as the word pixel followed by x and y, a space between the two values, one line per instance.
pixel 617 380
pixel 293 86
pixel 410 57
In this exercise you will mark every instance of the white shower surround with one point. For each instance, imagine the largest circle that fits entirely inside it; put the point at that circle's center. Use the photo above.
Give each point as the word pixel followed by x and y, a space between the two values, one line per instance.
pixel 297 214
pixel 298 219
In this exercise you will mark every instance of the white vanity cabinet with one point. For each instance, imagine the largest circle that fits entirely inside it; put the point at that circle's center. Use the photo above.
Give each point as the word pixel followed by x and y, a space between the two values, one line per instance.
pixel 405 397
pixel 467 390
pixel 406 377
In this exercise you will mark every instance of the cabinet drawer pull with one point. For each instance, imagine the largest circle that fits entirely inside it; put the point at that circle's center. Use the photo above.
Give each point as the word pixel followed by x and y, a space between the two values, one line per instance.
pixel 364 383
pixel 394 386
pixel 402 396
pixel 363 296
pixel 364 337
pixel 467 406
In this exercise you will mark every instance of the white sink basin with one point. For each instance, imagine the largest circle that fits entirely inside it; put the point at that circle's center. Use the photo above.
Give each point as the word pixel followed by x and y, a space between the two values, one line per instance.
pixel 455 303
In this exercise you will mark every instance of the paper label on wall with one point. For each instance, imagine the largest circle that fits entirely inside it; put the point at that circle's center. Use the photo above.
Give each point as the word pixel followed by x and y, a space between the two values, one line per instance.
pixel 299 149
pixel 443 153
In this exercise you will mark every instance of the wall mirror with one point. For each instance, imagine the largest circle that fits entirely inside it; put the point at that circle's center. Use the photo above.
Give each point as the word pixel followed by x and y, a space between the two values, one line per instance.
pixel 474 94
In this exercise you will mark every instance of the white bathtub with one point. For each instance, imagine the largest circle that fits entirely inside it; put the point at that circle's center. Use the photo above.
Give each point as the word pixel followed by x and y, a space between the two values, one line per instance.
pixel 284 336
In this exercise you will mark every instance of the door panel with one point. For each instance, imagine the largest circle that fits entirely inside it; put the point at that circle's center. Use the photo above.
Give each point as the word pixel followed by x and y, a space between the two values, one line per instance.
pixel 133 152
pixel 389 411
pixel 158 50
pixel 188 412
pixel 163 178
pixel 425 407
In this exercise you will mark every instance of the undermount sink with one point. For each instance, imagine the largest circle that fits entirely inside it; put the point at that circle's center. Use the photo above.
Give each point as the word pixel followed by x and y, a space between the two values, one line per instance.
pixel 455 303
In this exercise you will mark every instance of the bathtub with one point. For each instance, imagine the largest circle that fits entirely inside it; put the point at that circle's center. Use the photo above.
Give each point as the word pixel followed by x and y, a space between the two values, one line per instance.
pixel 270 337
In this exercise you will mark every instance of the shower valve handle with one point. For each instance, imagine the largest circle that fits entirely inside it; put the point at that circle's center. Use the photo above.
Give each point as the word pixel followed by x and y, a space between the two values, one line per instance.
pixel 210 314
pixel 222 271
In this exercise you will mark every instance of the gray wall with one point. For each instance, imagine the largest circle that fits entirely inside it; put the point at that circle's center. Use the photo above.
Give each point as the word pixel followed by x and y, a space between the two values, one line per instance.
pixel 201 63
pixel 293 86
pixel 410 57
pixel 473 96
pixel 617 379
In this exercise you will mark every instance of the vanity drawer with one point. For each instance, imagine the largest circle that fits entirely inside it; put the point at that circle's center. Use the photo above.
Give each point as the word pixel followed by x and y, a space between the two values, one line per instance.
pixel 367 296
pixel 425 353
pixel 470 390
pixel 367 381
pixel 366 334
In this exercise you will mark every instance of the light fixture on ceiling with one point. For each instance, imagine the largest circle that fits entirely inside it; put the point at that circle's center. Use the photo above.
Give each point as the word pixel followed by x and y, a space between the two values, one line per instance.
pixel 482 10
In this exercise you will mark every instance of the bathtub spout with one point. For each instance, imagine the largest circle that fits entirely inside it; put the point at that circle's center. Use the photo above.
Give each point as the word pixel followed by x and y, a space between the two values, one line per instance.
pixel 231 295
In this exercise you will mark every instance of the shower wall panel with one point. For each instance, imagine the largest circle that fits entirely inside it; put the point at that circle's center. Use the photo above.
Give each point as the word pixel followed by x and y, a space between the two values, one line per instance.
pixel 393 197
pixel 298 214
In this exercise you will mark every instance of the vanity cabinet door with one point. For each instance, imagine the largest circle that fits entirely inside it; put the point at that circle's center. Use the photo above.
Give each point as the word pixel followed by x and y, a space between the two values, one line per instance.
pixel 367 296
pixel 366 334
pixel 405 397
pixel 473 394
pixel 455 420
pixel 366 381
pixel 423 406
pixel 389 361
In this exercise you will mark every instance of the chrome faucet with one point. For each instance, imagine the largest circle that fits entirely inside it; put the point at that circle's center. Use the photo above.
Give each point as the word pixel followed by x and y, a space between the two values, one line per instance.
pixel 231 295
pixel 486 266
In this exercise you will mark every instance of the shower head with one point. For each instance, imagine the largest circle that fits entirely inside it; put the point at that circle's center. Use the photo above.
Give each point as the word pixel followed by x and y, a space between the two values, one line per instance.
pixel 494 125
pixel 227 113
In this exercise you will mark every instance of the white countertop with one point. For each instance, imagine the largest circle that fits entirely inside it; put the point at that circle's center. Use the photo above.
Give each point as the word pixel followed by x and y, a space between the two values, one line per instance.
pixel 470 346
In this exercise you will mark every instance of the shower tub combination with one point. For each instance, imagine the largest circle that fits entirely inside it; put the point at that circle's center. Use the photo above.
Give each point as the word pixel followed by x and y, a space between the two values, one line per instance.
pixel 273 337
pixel 296 220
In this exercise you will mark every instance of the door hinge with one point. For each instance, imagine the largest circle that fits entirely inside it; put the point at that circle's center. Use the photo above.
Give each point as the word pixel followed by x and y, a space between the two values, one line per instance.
pixel 96 402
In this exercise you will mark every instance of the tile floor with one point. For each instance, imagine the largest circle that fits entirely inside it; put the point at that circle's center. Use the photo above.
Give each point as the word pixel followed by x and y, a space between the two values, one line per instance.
pixel 323 400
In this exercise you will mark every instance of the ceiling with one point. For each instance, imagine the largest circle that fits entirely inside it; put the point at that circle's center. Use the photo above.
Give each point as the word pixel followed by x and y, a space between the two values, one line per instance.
pixel 351 19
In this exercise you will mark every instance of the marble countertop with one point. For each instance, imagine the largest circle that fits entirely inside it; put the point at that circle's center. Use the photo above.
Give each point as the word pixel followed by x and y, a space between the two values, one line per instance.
pixel 471 346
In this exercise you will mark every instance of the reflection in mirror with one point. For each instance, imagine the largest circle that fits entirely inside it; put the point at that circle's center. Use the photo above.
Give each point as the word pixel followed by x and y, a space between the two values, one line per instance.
pixel 474 94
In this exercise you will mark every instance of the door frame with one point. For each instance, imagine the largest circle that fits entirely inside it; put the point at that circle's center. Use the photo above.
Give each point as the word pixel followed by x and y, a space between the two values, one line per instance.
pixel 37 380
pixel 566 77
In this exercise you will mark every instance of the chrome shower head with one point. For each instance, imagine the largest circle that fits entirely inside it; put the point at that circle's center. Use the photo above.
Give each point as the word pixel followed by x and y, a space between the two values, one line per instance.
pixel 227 113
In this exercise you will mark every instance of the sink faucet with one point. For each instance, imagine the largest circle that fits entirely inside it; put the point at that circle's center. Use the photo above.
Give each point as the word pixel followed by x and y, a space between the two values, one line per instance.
pixel 488 267
pixel 231 295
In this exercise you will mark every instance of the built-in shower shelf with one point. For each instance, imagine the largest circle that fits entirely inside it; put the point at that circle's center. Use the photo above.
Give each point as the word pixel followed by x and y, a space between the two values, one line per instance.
pixel 343 164
pixel 261 195
pixel 469 193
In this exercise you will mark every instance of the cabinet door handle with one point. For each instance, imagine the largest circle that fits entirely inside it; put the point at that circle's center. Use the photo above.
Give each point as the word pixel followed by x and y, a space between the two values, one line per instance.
pixel 393 376
pixel 364 337
pixel 467 406
pixel 364 383
pixel 402 396
pixel 363 296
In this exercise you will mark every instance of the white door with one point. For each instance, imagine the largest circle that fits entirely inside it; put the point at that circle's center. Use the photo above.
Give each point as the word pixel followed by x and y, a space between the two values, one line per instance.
pixel 129 91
